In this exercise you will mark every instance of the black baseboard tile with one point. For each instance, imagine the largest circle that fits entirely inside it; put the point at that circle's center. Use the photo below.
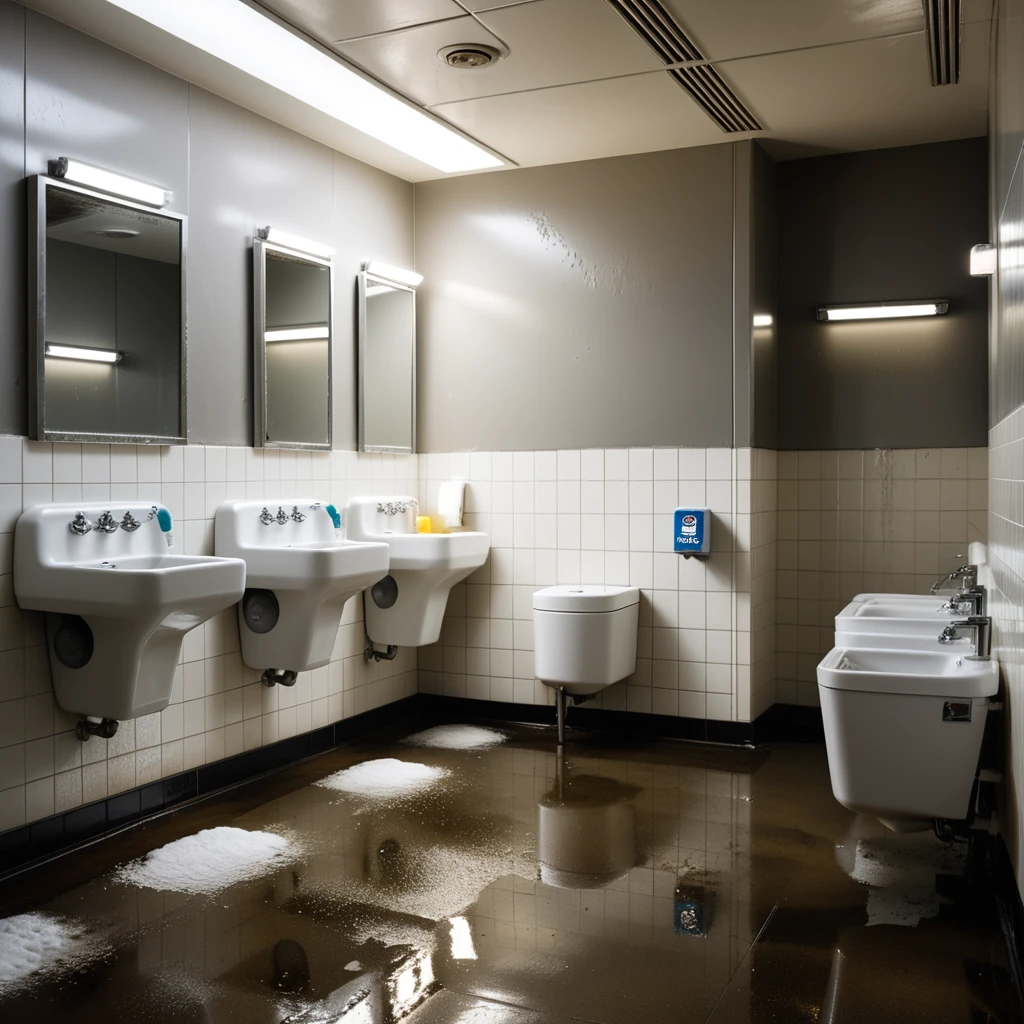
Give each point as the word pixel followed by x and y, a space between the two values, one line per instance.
pixel 41 840
pixel 1003 880
pixel 789 723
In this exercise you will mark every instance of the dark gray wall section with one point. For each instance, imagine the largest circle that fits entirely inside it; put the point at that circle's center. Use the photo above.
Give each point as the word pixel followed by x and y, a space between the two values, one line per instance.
pixel 579 305
pixel 764 346
pixel 13 325
pixel 883 225
pixel 230 171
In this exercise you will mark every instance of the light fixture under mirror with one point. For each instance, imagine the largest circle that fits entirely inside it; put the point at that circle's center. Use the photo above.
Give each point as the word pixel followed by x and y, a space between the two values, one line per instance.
pixel 387 358
pixel 107 341
pixel 108 181
pixel 884 310
pixel 293 312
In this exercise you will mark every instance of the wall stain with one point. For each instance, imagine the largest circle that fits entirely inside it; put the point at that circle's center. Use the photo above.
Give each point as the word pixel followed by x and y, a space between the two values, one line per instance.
pixel 590 274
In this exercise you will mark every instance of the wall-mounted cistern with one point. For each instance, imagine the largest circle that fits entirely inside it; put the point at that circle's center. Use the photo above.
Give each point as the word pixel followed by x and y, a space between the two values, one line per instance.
pixel 117 604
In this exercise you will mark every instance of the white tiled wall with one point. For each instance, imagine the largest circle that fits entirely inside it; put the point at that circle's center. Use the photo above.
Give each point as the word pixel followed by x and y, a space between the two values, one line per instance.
pixel 218 707
pixel 865 521
pixel 605 516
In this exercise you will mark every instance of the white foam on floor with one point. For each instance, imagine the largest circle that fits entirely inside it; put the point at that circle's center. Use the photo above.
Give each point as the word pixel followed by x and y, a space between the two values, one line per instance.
pixel 458 737
pixel 210 861
pixel 383 778
pixel 37 943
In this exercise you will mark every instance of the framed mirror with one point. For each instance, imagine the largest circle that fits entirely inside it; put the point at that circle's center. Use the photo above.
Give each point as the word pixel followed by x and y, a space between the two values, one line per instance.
pixel 387 360
pixel 107 333
pixel 293 318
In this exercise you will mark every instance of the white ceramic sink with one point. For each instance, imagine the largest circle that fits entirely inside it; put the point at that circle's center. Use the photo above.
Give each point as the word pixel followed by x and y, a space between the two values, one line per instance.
pixel 299 574
pixel 406 608
pixel 892 618
pixel 913 672
pixel 118 603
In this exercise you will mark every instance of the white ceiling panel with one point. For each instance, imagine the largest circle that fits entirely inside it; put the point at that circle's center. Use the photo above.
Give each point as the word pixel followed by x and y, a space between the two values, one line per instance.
pixel 732 28
pixel 864 95
pixel 552 42
pixel 640 114
pixel 331 20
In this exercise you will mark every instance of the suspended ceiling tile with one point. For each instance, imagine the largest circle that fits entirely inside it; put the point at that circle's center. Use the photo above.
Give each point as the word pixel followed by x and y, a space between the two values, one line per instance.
pixel 552 42
pixel 640 114
pixel 732 28
pixel 331 20
pixel 864 95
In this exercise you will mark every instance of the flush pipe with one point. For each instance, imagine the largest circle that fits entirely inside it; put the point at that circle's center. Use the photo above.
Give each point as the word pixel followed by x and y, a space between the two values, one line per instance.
pixel 370 652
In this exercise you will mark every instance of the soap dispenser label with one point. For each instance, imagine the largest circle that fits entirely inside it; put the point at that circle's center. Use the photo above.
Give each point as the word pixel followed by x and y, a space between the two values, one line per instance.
pixel 692 534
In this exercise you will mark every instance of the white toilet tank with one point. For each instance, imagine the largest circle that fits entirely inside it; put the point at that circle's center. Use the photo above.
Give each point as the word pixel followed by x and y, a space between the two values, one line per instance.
pixel 584 637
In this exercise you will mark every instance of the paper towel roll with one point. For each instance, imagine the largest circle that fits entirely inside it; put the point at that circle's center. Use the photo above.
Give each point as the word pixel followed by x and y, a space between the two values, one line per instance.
pixel 451 500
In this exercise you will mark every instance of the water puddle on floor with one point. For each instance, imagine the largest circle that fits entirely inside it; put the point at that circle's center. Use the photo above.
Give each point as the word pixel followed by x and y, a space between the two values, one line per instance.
pixel 469 875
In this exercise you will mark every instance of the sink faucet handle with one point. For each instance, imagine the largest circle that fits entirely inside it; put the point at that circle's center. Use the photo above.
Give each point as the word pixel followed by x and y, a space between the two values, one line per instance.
pixel 282 517
pixel 107 523
pixel 297 516
pixel 80 525
pixel 949 635
pixel 130 524
pixel 265 517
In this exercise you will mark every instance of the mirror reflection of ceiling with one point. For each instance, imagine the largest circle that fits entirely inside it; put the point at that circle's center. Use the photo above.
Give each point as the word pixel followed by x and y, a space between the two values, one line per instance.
pixel 104 224
pixel 819 75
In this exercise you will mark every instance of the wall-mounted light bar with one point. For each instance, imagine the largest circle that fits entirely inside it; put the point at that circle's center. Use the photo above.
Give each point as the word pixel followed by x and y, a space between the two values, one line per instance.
pixel 884 310
pixel 983 260
pixel 297 334
pixel 255 44
pixel 763 320
pixel 89 355
pixel 390 273
pixel 107 181
pixel 297 242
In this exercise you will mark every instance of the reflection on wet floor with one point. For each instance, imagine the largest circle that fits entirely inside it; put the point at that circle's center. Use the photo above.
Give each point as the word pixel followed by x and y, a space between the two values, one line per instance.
pixel 498 882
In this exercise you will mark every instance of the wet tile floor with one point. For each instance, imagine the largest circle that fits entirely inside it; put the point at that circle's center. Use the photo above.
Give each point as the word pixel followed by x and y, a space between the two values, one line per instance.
pixel 624 883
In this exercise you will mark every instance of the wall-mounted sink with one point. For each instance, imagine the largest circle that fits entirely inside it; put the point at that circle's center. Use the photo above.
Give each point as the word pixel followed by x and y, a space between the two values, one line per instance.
pixel 903 731
pixel 118 603
pixel 299 576
pixel 406 607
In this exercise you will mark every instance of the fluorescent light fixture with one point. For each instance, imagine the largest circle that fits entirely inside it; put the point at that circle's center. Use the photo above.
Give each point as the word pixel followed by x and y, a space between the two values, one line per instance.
pixel 257 45
pixel 90 355
pixel 983 260
pixel 390 273
pixel 884 310
pixel 108 181
pixel 297 242
pixel 297 334
pixel 763 320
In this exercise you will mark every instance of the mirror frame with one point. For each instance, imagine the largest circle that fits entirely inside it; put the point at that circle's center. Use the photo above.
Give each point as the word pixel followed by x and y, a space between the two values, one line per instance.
pixel 38 184
pixel 260 247
pixel 364 277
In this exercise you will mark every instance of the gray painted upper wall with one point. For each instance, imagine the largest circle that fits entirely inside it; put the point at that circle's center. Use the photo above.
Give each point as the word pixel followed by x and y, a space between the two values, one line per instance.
pixel 230 171
pixel 883 225
pixel 578 305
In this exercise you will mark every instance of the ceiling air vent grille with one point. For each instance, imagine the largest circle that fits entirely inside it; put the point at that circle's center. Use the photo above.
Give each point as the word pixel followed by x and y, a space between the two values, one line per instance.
pixel 943 24
pixel 666 37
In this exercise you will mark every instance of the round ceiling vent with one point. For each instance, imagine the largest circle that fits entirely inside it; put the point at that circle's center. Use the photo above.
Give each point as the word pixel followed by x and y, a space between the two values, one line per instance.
pixel 469 55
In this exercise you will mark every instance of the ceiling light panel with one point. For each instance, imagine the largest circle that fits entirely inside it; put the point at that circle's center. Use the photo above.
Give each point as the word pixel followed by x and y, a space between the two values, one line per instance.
pixel 241 36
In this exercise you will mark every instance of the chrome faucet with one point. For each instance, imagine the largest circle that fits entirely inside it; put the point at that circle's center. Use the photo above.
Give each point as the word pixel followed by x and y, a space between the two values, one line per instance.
pixel 130 524
pixel 297 516
pixel 980 625
pixel 282 517
pixel 265 517
pixel 80 526
pixel 965 578
pixel 107 523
